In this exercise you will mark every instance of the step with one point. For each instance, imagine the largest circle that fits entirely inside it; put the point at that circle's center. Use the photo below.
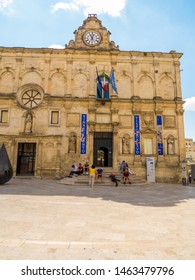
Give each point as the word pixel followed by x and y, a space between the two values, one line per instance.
pixel 84 180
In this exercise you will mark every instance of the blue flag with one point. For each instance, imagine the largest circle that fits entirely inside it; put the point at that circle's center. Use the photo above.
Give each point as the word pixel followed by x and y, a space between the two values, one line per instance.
pixel 112 81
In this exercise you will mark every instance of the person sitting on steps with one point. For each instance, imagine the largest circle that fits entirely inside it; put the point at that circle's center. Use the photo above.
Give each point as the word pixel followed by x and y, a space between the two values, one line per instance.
pixel 73 171
pixel 80 169
pixel 114 179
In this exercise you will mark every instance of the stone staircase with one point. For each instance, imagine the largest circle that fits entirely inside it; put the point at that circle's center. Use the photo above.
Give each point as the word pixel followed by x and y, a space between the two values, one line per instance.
pixel 84 179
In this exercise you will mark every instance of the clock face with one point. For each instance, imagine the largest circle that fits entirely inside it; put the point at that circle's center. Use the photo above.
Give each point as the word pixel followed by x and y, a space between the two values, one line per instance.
pixel 92 38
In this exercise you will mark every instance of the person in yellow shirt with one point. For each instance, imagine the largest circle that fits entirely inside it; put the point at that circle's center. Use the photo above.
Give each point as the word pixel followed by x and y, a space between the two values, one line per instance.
pixel 92 173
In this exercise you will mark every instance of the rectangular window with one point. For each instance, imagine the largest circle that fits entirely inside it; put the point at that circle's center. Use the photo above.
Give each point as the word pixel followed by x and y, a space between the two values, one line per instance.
pixel 148 146
pixel 3 116
pixel 54 117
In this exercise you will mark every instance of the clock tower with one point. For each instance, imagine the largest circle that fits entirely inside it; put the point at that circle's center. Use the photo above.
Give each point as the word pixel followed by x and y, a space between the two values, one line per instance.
pixel 92 35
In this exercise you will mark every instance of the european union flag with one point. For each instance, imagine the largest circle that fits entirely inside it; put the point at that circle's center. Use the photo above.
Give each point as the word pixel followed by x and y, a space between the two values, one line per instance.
pixel 112 81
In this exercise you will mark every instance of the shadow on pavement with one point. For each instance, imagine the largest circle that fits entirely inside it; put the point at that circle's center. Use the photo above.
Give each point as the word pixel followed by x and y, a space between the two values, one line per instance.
pixel 154 195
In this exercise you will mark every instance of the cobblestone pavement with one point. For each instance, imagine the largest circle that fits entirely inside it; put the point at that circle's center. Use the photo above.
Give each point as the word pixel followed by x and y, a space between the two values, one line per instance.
pixel 43 219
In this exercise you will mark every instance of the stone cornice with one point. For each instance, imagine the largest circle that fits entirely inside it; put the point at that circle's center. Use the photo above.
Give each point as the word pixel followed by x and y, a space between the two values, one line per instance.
pixel 131 54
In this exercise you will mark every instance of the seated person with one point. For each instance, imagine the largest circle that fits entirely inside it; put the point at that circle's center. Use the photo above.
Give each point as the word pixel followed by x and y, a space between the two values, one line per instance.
pixel 74 170
pixel 114 179
pixel 86 168
pixel 126 176
pixel 99 173
pixel 80 169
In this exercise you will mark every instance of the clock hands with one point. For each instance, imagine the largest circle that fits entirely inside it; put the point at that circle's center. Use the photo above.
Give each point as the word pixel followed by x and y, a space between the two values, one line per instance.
pixel 92 38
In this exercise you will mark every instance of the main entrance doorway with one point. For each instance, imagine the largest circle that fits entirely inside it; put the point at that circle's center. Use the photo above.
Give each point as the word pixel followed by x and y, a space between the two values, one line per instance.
pixel 26 159
pixel 102 149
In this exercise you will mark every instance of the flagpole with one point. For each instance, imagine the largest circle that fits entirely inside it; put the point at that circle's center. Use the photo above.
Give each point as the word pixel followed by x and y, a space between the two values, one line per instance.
pixel 104 82
pixel 109 83
pixel 112 81
pixel 99 84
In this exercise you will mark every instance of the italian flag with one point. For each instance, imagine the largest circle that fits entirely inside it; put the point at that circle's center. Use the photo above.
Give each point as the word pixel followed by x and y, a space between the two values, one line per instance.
pixel 105 86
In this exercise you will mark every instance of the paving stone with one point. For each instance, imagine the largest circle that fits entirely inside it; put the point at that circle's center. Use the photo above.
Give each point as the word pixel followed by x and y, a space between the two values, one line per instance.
pixel 42 219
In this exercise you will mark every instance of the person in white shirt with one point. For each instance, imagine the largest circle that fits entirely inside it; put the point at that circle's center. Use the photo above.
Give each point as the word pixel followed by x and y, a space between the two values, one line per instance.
pixel 74 170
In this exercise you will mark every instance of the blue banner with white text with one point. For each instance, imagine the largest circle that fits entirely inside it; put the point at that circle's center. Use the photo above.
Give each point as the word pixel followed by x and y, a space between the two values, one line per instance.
pixel 83 133
pixel 159 135
pixel 137 135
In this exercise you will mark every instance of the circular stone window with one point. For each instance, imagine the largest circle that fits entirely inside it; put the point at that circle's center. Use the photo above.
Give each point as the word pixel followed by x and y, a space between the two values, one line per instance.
pixel 30 96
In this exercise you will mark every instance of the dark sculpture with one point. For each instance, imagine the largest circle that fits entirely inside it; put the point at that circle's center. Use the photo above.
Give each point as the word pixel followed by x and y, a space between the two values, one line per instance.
pixel 6 171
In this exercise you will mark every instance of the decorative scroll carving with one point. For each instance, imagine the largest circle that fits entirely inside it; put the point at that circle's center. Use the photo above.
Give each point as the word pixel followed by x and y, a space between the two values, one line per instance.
pixel 113 46
pixel 148 120
pixel 70 45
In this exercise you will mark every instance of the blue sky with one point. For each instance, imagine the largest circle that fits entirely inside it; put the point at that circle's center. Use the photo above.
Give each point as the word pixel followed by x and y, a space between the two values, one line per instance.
pixel 137 25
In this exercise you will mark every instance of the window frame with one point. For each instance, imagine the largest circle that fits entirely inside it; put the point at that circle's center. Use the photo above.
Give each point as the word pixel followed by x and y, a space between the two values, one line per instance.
pixel 2 110
pixel 51 117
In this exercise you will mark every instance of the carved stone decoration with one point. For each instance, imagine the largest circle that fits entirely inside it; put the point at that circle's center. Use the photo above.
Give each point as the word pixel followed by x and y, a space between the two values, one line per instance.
pixel 148 120
pixel 72 143
pixel 28 123
pixel 6 171
pixel 170 146
pixel 113 46
pixel 92 35
pixel 71 45
pixel 30 96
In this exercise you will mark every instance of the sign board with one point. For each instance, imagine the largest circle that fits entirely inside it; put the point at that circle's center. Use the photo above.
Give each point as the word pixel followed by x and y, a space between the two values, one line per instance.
pixel 83 133
pixel 159 135
pixel 184 173
pixel 150 169
pixel 137 135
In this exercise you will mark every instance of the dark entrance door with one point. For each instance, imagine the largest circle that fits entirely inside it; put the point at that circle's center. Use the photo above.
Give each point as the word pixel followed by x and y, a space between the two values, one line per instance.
pixel 102 149
pixel 26 158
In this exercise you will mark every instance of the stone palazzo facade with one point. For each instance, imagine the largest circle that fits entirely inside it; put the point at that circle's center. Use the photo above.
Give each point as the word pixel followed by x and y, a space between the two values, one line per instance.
pixel 54 113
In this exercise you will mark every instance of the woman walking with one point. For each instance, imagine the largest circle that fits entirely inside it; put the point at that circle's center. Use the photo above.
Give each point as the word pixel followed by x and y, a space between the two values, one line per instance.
pixel 92 173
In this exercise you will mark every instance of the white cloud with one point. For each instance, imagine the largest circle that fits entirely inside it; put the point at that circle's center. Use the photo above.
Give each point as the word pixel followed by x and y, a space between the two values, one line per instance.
pixel 65 6
pixel 56 46
pixel 190 104
pixel 110 7
pixel 5 6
